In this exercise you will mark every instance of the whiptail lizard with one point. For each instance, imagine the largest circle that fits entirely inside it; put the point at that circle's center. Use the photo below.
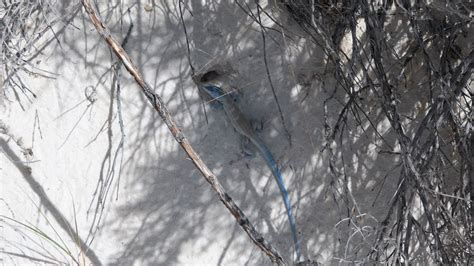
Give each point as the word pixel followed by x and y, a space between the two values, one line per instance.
pixel 242 126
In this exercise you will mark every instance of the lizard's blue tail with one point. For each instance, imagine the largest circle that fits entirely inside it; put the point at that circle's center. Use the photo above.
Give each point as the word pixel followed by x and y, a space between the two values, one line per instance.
pixel 267 155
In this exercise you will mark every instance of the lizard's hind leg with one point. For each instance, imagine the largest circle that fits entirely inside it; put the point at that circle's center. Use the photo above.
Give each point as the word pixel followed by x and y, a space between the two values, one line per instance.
pixel 247 148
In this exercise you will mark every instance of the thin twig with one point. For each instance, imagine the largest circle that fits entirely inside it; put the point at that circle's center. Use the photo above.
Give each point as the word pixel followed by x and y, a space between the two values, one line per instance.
pixel 187 39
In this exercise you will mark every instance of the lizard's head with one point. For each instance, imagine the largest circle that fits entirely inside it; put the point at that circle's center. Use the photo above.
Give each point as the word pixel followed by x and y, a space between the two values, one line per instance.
pixel 213 91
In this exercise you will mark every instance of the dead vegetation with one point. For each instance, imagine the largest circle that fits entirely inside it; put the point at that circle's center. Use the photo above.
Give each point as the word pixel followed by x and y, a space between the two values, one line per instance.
pixel 414 61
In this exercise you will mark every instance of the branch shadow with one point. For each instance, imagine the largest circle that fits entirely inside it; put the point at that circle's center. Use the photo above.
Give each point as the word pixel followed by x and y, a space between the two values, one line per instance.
pixel 45 201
